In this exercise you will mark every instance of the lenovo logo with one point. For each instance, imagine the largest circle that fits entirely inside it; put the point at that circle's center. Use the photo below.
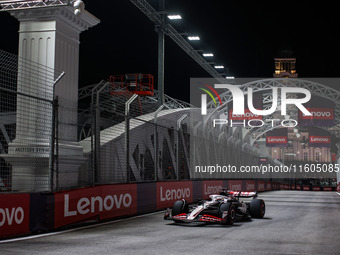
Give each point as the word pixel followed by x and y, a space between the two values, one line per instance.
pixel 11 215
pixel 247 115
pixel 96 204
pixel 260 186
pixel 235 187
pixel 250 187
pixel 276 139
pixel 174 194
pixel 319 139
pixel 319 113
pixel 208 190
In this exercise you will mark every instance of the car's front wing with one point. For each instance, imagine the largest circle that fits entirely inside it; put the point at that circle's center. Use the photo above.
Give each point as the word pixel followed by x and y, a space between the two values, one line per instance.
pixel 183 217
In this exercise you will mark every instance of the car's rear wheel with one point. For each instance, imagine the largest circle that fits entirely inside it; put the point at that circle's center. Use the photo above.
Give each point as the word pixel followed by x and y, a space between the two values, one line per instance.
pixel 257 208
pixel 180 206
pixel 230 210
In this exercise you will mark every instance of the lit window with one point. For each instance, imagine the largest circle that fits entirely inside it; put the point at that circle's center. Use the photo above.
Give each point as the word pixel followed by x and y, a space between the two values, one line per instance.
pixel 305 156
pixel 317 156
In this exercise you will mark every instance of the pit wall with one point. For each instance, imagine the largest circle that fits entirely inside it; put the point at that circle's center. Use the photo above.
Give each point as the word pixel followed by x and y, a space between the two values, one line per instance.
pixel 29 213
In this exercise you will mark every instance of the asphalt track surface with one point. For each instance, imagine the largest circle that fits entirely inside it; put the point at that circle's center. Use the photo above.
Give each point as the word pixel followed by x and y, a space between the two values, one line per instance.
pixel 296 222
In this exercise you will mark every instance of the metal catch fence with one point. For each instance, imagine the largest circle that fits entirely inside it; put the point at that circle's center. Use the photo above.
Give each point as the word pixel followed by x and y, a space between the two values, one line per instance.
pixel 122 137
pixel 27 116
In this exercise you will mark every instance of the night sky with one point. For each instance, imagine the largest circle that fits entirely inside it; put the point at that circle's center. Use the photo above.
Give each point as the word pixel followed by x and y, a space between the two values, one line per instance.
pixel 244 36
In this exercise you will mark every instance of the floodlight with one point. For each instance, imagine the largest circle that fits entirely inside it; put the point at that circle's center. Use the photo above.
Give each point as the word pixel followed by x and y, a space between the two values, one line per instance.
pixel 194 38
pixel 174 17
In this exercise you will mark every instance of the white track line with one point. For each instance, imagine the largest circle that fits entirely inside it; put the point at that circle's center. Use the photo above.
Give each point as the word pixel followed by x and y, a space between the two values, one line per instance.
pixel 76 229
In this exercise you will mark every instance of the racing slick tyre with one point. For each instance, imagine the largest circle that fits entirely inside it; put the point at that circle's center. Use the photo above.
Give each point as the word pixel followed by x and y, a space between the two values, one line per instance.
pixel 257 208
pixel 180 206
pixel 230 208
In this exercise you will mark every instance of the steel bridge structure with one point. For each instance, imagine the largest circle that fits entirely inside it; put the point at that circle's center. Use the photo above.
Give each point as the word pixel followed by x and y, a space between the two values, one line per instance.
pixel 265 86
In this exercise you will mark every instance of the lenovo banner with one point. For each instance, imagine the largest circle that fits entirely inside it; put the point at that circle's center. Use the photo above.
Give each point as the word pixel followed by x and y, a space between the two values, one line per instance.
pixel 211 187
pixel 319 137
pixel 104 202
pixel 322 110
pixel 263 160
pixel 250 186
pixel 169 192
pixel 235 185
pixel 268 186
pixel 277 138
pixel 14 214
pixel 261 186
pixel 248 115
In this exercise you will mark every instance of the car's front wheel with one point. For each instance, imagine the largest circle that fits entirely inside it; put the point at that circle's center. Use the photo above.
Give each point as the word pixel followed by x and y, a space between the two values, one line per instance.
pixel 180 206
pixel 227 212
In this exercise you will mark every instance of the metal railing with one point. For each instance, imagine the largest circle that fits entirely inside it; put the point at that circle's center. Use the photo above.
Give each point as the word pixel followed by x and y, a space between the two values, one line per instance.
pixel 127 143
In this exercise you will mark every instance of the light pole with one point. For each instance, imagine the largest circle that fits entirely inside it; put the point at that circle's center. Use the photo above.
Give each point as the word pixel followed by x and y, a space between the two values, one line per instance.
pixel 161 39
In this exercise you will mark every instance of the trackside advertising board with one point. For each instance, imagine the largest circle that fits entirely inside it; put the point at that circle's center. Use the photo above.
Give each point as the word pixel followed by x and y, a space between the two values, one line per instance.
pixel 261 186
pixel 250 186
pixel 235 185
pixel 27 213
pixel 211 187
pixel 268 186
pixel 169 192
pixel 277 138
pixel 322 113
pixel 14 214
pixel 104 201
pixel 319 137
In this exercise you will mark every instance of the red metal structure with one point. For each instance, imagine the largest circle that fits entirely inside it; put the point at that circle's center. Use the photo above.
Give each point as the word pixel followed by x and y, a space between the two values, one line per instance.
pixel 140 84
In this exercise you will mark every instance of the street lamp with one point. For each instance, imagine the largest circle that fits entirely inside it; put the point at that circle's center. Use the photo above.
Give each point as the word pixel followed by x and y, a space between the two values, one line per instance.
pixel 161 50
pixel 219 67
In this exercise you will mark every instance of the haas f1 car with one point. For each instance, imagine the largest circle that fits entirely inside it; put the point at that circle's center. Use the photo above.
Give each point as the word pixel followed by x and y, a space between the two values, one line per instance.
pixel 225 208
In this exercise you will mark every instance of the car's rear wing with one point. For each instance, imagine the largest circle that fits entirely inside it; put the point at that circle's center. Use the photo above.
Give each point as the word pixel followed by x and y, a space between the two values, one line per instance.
pixel 238 193
pixel 243 193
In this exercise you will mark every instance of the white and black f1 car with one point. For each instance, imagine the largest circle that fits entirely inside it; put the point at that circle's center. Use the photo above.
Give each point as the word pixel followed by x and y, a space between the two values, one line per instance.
pixel 225 208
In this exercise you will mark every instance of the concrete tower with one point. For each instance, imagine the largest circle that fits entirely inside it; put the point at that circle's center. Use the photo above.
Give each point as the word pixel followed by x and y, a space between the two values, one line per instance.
pixel 48 35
